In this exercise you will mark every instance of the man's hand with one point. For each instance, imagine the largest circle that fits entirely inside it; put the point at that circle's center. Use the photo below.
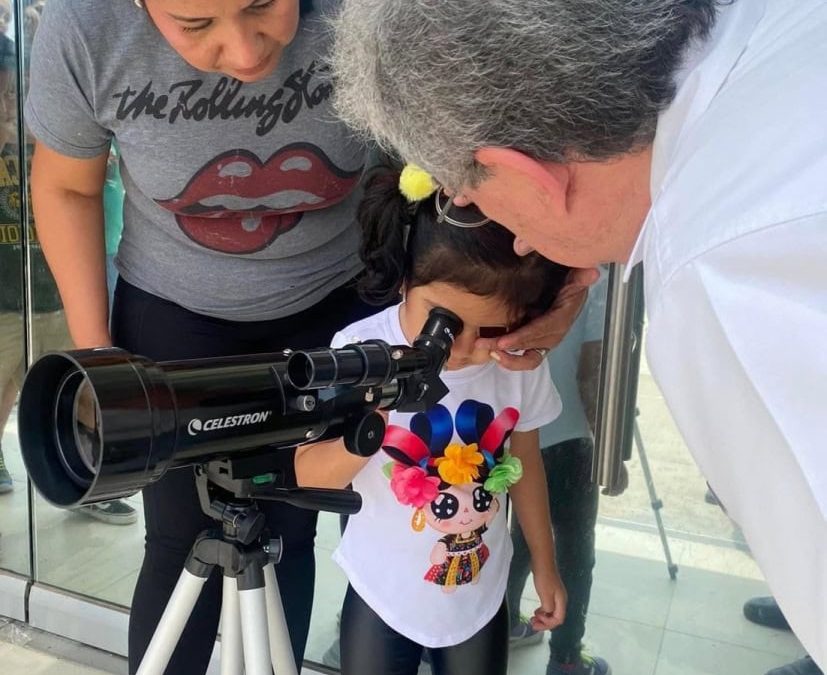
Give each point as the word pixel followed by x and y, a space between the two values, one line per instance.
pixel 547 331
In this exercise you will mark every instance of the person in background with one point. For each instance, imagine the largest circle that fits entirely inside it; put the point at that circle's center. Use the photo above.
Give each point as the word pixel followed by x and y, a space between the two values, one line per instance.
pixel 113 194
pixel 567 447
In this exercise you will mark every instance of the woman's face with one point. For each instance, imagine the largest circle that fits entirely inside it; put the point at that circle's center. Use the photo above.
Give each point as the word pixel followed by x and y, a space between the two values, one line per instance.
pixel 240 38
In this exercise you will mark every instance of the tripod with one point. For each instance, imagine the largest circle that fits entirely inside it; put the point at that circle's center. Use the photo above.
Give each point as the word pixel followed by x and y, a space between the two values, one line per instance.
pixel 254 635
pixel 654 500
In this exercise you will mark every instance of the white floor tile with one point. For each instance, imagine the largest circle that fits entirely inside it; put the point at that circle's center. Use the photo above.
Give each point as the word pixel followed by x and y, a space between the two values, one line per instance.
pixel 688 655
pixel 709 605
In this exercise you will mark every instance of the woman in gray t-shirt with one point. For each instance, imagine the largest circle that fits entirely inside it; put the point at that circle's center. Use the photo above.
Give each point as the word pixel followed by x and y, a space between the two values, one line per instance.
pixel 239 231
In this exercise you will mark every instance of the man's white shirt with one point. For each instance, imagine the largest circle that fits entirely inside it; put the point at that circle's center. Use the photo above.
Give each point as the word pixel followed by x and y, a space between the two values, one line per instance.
pixel 735 260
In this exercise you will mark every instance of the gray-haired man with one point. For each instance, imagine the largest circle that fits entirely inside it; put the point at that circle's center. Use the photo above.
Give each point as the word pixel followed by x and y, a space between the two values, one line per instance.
pixel 686 134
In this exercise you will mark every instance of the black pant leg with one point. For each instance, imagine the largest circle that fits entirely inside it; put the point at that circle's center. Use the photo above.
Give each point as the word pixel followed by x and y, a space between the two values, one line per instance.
pixel 173 521
pixel 160 330
pixel 485 653
pixel 368 646
pixel 574 501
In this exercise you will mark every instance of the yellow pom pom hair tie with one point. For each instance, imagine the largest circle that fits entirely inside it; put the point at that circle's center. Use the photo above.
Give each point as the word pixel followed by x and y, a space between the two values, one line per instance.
pixel 416 184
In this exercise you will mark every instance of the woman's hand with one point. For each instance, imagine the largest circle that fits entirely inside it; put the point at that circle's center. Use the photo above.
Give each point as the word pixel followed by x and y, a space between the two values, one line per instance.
pixel 553 598
pixel 545 332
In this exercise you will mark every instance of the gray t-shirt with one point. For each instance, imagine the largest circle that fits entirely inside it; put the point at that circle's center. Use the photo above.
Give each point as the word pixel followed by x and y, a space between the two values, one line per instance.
pixel 240 198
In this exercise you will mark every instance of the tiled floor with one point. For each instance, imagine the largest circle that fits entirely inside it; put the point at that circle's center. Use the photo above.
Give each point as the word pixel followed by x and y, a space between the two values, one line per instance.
pixel 640 620
pixel 17 659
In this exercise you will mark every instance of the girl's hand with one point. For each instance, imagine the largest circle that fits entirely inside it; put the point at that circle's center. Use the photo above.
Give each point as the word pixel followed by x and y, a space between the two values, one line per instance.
pixel 544 332
pixel 552 610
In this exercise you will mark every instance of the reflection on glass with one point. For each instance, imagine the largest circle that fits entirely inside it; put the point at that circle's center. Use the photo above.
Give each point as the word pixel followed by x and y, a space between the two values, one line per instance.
pixel 79 550
pixel 14 542
pixel 79 451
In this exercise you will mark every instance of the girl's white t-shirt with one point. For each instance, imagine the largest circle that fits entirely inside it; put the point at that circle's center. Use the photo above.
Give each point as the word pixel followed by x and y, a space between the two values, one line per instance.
pixel 437 575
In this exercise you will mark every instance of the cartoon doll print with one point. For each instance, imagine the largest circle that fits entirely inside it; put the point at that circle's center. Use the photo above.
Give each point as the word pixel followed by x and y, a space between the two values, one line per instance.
pixel 451 485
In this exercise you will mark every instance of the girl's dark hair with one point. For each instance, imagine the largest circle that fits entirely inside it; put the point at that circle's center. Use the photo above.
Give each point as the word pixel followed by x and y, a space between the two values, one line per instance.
pixel 480 260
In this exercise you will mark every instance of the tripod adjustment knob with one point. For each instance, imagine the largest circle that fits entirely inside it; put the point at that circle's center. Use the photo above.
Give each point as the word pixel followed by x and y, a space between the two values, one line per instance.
pixel 273 548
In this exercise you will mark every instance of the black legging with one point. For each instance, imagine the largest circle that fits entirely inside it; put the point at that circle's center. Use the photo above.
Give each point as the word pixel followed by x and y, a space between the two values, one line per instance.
pixel 160 330
pixel 369 646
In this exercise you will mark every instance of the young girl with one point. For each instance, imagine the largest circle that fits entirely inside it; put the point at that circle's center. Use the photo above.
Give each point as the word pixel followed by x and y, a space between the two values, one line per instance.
pixel 427 557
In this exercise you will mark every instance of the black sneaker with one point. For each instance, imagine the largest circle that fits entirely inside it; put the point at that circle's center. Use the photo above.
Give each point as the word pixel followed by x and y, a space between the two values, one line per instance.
pixel 765 612
pixel 805 666
pixel 116 512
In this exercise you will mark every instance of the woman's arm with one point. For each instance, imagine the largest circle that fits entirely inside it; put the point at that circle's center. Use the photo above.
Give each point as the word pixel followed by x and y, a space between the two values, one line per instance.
pixel 530 497
pixel 327 464
pixel 67 200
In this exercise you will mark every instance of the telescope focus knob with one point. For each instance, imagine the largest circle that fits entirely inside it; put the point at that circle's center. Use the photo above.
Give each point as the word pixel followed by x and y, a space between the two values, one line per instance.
pixel 363 435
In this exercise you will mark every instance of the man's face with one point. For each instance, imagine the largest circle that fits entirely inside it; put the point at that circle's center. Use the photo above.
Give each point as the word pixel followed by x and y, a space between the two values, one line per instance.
pixel 527 212
pixel 580 214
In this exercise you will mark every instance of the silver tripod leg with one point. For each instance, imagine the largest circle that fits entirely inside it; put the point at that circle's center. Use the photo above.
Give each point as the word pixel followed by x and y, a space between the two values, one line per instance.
pixel 172 624
pixel 232 654
pixel 656 503
pixel 254 631
pixel 281 651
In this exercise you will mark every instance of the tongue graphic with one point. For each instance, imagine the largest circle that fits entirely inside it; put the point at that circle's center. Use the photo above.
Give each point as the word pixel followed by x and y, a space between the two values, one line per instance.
pixel 238 233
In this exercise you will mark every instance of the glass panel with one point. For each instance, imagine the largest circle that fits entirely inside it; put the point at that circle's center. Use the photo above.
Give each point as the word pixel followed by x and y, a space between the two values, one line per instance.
pixel 14 516
pixel 84 551
pixel 672 571
pixel 640 618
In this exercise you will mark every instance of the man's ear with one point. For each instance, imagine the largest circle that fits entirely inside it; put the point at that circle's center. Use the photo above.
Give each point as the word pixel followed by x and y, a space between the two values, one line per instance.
pixel 552 180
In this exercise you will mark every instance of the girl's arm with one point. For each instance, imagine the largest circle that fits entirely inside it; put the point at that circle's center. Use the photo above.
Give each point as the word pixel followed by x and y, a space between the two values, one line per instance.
pixel 530 497
pixel 327 464
pixel 67 199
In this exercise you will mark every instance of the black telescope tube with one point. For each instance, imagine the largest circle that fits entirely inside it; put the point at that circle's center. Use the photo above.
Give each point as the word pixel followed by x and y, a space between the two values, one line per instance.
pixel 100 424
pixel 150 418
pixel 374 362
pixel 369 363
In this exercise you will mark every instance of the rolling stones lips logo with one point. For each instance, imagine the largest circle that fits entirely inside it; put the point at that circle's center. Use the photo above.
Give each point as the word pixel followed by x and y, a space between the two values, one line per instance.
pixel 239 204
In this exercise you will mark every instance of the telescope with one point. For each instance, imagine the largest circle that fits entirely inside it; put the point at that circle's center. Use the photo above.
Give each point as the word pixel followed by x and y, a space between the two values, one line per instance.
pixel 101 424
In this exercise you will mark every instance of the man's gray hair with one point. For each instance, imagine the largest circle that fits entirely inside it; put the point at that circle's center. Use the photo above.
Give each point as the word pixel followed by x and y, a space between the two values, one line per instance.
pixel 435 80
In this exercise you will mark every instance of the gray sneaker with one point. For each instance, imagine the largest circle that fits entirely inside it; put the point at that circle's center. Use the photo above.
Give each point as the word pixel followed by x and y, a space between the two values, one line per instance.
pixel 6 483
pixel 523 635
pixel 116 512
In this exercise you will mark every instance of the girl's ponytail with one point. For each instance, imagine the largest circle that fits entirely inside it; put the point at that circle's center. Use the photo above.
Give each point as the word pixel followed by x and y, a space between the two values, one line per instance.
pixel 385 217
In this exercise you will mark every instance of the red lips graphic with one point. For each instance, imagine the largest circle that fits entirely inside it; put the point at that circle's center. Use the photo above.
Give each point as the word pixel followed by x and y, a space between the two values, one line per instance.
pixel 238 204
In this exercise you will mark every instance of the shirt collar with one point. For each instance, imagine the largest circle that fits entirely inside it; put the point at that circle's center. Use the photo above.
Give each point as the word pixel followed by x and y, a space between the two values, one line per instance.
pixel 705 68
